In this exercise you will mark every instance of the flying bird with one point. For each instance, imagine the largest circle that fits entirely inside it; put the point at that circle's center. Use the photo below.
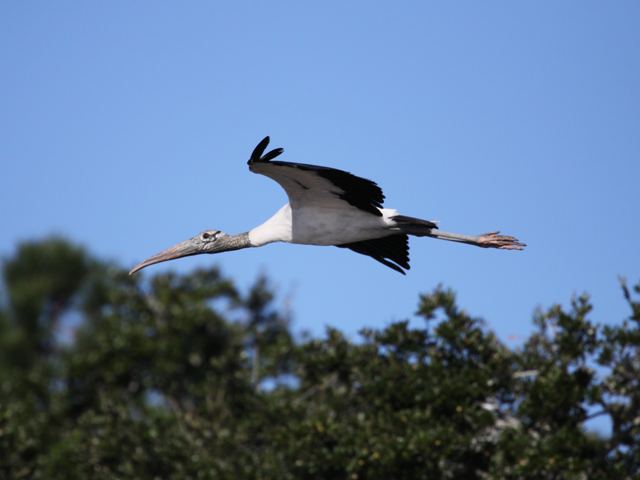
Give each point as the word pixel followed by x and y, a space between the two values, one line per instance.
pixel 328 206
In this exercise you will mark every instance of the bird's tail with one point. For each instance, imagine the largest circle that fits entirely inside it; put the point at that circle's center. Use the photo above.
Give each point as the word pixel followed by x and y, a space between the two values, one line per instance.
pixel 414 226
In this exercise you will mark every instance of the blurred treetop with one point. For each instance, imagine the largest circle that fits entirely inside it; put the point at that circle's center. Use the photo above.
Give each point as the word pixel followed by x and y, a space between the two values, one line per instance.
pixel 183 376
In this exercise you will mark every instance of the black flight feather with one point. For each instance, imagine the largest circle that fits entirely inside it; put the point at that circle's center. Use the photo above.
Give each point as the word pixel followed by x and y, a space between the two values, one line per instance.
pixel 257 154
pixel 259 150
pixel 392 251
pixel 272 154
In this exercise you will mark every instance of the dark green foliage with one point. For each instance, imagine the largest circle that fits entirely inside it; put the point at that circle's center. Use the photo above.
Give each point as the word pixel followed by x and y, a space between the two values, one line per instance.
pixel 108 376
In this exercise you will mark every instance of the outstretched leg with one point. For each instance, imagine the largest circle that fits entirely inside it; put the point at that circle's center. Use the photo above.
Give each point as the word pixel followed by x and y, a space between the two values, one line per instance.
pixel 426 228
pixel 486 240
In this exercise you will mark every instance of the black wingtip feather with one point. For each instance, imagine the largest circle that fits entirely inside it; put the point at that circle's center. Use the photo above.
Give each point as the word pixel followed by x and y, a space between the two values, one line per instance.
pixel 272 154
pixel 259 150
pixel 258 154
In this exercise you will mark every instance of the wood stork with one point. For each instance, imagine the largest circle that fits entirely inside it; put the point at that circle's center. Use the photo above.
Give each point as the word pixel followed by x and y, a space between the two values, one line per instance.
pixel 328 207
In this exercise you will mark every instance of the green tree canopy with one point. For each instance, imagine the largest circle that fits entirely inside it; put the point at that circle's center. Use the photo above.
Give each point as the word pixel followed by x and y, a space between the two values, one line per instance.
pixel 108 376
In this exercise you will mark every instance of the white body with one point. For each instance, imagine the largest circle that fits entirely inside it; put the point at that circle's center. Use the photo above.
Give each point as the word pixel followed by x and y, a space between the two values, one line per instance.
pixel 317 225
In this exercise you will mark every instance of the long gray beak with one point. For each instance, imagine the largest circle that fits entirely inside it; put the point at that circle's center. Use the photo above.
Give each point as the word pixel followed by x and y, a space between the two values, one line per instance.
pixel 182 249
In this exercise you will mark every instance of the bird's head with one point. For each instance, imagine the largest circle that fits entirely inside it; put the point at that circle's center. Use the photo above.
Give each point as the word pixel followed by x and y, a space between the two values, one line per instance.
pixel 209 241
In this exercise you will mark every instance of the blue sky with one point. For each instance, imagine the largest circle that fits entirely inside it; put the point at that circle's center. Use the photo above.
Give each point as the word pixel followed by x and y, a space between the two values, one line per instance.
pixel 126 126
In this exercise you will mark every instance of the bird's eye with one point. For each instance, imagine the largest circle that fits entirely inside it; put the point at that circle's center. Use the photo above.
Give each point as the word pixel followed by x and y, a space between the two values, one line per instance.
pixel 208 235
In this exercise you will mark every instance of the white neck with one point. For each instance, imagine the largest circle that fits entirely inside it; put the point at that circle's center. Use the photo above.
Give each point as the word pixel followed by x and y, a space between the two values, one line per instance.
pixel 277 229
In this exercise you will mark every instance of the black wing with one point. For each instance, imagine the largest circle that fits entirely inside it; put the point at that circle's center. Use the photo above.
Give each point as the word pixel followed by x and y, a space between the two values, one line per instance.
pixel 392 251
pixel 314 185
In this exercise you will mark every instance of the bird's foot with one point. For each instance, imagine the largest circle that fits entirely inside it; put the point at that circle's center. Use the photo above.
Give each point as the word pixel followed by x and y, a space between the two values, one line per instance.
pixel 504 242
